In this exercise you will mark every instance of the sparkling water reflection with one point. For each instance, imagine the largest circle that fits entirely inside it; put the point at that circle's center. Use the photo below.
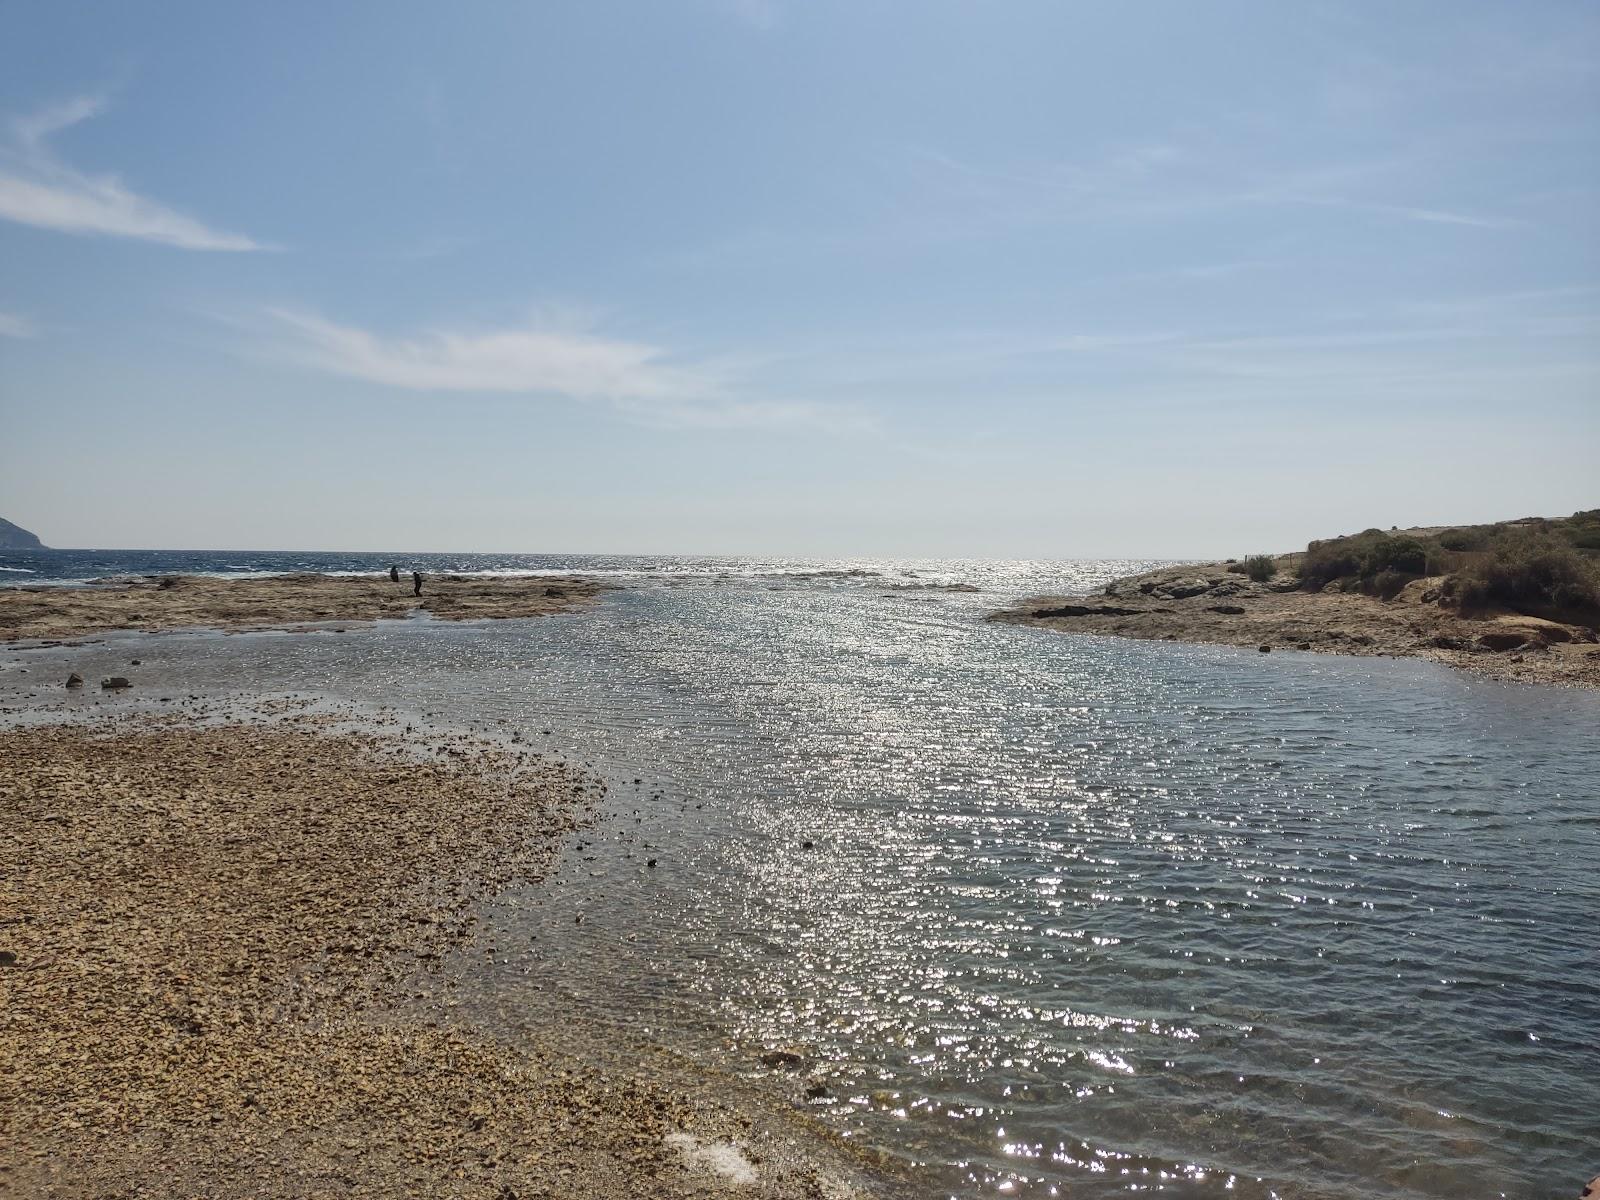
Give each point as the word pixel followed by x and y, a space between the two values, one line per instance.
pixel 1050 915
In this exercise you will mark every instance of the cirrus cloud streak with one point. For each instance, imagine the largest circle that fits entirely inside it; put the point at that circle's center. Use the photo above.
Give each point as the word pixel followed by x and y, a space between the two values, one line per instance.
pixel 644 383
pixel 38 189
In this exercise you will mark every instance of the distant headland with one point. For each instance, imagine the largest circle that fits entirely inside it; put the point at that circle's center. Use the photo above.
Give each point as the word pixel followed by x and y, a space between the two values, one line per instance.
pixel 1516 600
pixel 14 537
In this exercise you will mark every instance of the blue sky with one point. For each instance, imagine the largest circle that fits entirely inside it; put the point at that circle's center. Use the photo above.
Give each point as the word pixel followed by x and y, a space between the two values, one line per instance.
pixel 1011 279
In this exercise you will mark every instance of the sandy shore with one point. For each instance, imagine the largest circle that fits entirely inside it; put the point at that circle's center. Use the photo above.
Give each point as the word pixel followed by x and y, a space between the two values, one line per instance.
pixel 211 937
pixel 158 602
pixel 1207 603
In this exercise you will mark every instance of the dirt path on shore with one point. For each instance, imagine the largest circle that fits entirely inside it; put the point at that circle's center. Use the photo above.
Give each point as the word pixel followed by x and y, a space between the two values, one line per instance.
pixel 1208 603
pixel 157 602
pixel 208 934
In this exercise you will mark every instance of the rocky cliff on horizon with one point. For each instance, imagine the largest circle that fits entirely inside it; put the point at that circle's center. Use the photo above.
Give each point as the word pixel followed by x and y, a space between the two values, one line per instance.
pixel 14 537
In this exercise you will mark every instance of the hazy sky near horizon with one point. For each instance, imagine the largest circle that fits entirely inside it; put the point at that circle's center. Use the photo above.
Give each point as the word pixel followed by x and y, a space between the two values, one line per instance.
pixel 1036 279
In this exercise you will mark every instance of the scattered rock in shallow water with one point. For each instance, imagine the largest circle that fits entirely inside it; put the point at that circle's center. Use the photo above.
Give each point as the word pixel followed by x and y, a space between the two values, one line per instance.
pixel 74 680
pixel 1088 610
pixel 116 683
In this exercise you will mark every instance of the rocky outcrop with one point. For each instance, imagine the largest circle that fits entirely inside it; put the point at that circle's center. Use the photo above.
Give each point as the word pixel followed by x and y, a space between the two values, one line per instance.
pixel 1211 603
pixel 14 537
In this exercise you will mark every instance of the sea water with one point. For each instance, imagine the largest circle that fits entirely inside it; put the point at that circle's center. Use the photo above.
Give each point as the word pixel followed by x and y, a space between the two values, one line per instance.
pixel 1040 914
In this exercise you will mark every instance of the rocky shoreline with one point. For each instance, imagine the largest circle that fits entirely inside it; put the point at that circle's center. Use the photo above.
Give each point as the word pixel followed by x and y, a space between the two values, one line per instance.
pixel 211 936
pixel 153 603
pixel 1211 603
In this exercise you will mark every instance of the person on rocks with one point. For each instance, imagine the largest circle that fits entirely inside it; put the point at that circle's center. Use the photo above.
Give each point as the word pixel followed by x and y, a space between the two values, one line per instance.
pixel 416 583
pixel 394 573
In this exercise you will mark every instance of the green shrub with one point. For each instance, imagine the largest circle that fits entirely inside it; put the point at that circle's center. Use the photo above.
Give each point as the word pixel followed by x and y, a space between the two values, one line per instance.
pixel 1362 558
pixel 1326 561
pixel 1260 567
pixel 1389 584
pixel 1465 539
pixel 1581 529
pixel 1389 553
pixel 1528 569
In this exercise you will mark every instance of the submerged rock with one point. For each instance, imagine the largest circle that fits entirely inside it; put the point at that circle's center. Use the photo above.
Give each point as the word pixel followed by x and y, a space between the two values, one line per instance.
pixel 116 683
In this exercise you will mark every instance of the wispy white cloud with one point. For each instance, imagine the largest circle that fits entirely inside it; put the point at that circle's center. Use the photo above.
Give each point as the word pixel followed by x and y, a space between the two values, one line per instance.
pixel 13 325
pixel 1165 182
pixel 39 189
pixel 544 359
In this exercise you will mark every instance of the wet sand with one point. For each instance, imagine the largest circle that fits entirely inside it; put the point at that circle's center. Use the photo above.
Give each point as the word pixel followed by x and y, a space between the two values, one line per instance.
pixel 159 602
pixel 219 949
pixel 1207 603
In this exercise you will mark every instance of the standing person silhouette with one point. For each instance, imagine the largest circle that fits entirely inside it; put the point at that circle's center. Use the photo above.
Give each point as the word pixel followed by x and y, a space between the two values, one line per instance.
pixel 416 583
pixel 394 573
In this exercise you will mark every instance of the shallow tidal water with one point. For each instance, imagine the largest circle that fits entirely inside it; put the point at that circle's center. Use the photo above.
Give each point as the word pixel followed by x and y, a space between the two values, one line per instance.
pixel 1045 915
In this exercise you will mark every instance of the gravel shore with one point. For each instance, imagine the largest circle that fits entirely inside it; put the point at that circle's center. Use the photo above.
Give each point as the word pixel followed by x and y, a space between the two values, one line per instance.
pixel 158 602
pixel 210 937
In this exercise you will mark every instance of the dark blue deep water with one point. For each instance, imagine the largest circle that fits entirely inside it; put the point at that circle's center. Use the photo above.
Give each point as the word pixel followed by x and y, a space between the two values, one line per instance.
pixel 1080 916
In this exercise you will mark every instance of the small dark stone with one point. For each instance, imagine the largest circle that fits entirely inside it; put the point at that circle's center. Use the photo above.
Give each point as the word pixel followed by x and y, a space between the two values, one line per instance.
pixel 133 662
pixel 1265 649
pixel 116 682
pixel 74 680
pixel 8 958
pixel 649 862
pixel 807 845
pixel 786 1059
pixel 1227 610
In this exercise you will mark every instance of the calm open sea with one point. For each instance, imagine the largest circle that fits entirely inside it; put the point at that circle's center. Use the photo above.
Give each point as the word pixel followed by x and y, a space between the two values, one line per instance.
pixel 1049 915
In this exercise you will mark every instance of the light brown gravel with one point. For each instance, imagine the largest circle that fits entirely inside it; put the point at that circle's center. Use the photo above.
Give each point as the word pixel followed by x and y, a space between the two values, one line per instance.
pixel 204 937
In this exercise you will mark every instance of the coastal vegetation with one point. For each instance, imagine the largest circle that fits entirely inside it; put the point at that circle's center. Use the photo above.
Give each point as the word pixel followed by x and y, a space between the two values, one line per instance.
pixel 1259 567
pixel 1513 600
pixel 1533 565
